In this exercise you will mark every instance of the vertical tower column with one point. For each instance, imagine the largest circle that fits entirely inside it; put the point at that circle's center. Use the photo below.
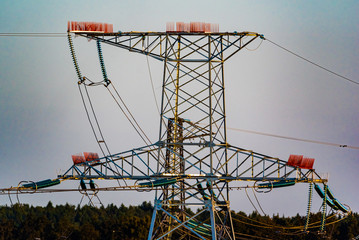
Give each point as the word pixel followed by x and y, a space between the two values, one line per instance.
pixel 193 141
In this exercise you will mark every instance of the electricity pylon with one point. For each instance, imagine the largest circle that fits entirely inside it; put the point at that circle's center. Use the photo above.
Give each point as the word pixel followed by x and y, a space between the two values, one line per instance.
pixel 191 164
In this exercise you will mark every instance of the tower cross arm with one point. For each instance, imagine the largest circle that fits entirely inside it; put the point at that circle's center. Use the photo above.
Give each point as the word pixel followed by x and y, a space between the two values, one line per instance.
pixel 194 45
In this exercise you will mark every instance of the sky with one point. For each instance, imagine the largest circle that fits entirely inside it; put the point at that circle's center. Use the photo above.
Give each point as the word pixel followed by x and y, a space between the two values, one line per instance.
pixel 42 120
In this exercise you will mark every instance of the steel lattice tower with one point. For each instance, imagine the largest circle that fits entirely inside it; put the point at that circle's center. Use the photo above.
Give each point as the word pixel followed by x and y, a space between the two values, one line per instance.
pixel 193 87
pixel 191 164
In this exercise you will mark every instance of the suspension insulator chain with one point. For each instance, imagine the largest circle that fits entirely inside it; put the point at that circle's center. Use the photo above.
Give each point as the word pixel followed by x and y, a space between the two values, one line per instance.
pixel 73 55
pixel 324 209
pixel 102 63
pixel 309 205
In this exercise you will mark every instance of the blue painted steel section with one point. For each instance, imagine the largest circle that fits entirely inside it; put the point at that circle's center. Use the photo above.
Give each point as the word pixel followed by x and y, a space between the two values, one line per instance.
pixel 189 228
pixel 143 162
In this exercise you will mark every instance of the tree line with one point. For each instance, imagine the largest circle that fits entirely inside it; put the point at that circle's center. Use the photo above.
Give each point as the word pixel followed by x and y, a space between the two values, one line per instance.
pixel 132 222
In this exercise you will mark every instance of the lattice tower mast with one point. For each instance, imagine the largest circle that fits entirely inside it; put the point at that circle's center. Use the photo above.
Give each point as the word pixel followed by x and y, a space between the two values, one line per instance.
pixel 192 163
pixel 193 106
pixel 192 135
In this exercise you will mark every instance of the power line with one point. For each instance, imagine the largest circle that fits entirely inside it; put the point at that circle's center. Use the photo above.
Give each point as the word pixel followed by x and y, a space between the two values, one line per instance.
pixel 311 62
pixel 248 131
pixel 32 34
pixel 295 54
pixel 295 139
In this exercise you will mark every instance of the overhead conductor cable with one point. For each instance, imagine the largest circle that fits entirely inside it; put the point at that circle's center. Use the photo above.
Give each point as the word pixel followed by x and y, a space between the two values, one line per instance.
pixel 311 62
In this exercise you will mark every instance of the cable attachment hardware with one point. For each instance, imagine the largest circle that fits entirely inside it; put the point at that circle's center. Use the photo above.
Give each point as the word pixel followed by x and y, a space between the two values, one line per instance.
pixel 22 188
pixel 94 188
pixel 90 193
pixel 141 188
pixel 257 186
pixel 73 55
pixel 310 197
pixel 102 63
pixel 324 209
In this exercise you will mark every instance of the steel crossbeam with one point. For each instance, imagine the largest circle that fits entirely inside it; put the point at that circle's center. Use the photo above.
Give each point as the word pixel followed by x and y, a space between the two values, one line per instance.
pixel 138 164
